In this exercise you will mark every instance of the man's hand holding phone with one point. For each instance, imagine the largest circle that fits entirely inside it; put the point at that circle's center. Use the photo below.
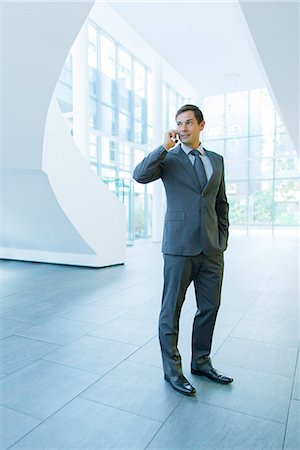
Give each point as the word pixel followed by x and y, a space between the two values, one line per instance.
pixel 171 139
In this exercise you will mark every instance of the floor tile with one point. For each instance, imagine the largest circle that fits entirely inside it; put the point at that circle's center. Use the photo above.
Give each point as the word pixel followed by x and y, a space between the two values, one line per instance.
pixel 259 356
pixel 92 313
pixel 105 322
pixel 92 354
pixel 196 425
pixel 135 388
pixel 296 389
pixel 100 427
pixel 126 330
pixel 146 313
pixel 272 316
pixel 58 331
pixel 273 333
pixel 256 393
pixel 10 326
pixel 31 313
pixel 43 387
pixel 14 426
pixel 148 354
pixel 17 352
pixel 292 438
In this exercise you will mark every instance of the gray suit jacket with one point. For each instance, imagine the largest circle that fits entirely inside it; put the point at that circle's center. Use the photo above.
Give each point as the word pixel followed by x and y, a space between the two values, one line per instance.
pixel 195 221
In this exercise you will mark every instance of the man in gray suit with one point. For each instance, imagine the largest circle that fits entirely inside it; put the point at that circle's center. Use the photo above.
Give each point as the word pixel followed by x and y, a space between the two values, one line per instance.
pixel 194 239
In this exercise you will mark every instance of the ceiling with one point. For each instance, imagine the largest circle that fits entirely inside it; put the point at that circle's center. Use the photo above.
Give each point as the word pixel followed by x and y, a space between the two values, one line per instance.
pixel 206 42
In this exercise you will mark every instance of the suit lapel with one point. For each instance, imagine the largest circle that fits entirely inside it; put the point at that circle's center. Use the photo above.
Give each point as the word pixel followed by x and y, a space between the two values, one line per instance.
pixel 186 163
pixel 214 168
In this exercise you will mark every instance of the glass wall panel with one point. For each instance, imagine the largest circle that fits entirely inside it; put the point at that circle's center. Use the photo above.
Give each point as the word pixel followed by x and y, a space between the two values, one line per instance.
pixel 124 156
pixel 261 202
pixel 214 114
pixel 93 154
pixel 108 120
pixel 237 114
pixel 261 168
pixel 124 127
pixel 108 57
pixel 262 114
pixel 125 70
pixel 263 157
pixel 237 159
pixel 216 145
pixel 287 197
pixel 108 151
pixel 237 193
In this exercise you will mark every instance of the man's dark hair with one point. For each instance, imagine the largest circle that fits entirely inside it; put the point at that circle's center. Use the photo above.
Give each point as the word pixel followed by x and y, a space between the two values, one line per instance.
pixel 198 114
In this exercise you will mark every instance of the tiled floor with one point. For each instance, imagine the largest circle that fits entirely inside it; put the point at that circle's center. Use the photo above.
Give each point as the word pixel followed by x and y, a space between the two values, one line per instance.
pixel 81 364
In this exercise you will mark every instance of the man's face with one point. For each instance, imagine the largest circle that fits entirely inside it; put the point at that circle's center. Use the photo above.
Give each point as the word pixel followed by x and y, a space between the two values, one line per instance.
pixel 189 129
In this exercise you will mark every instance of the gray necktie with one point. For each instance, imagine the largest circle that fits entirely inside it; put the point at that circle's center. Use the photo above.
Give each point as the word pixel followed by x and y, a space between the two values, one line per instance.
pixel 199 168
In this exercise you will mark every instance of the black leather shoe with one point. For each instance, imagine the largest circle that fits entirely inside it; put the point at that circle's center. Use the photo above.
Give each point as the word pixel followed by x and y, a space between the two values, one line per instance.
pixel 181 384
pixel 213 375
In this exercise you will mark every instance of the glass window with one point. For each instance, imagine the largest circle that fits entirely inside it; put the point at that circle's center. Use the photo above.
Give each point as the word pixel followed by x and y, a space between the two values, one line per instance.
pixel 237 159
pixel 108 151
pixel 108 175
pixel 124 156
pixel 125 69
pixel 213 111
pixel 287 198
pixel 284 147
pixel 108 57
pixel 216 145
pixel 286 167
pixel 92 35
pixel 262 117
pixel 261 146
pixel 261 202
pixel 172 107
pixel 149 98
pixel 108 90
pixel 92 56
pixel 138 128
pixel 237 194
pixel 93 147
pixel 139 79
pixel 261 168
pixel 108 120
pixel 237 114
pixel 93 113
pixel 92 81
pixel 124 126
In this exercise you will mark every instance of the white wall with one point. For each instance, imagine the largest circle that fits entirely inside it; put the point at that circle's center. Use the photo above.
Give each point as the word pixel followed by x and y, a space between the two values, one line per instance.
pixel 54 207
pixel 274 31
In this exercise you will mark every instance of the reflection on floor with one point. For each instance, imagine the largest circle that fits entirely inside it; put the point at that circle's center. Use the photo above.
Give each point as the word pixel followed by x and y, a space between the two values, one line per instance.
pixel 81 365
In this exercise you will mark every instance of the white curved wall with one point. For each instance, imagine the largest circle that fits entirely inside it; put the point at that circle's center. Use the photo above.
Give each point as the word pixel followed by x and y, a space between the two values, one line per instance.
pixel 54 208
pixel 274 29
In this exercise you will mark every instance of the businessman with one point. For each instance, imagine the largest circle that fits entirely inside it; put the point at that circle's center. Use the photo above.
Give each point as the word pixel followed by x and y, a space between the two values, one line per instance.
pixel 194 239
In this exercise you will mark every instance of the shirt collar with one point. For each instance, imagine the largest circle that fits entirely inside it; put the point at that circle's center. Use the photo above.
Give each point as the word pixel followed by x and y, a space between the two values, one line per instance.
pixel 187 149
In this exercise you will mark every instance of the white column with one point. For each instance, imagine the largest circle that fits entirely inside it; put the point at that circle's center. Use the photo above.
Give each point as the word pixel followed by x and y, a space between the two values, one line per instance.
pixel 81 91
pixel 158 193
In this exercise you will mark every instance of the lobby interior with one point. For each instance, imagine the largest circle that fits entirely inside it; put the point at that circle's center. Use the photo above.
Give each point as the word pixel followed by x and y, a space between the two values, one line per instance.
pixel 80 255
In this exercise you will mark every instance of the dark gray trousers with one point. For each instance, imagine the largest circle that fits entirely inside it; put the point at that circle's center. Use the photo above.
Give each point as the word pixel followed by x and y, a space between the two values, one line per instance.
pixel 206 272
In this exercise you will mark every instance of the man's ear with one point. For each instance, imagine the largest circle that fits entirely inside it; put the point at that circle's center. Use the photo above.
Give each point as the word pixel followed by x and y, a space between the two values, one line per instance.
pixel 202 124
